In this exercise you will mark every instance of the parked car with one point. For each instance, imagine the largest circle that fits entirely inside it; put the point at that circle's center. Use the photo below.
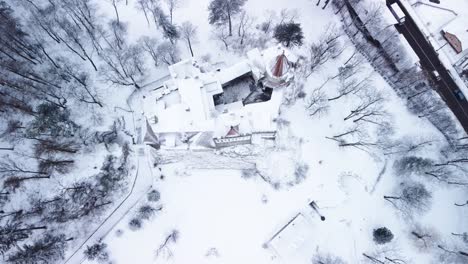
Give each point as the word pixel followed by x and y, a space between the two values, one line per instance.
pixel 460 96
pixel 436 75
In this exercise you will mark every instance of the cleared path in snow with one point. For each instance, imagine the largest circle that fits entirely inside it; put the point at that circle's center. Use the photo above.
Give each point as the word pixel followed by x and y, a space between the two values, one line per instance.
pixel 141 185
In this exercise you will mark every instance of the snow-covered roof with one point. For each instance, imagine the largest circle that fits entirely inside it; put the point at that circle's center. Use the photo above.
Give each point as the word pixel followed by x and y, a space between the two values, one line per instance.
pixel 186 103
pixel 233 72
pixel 185 69
pixel 294 239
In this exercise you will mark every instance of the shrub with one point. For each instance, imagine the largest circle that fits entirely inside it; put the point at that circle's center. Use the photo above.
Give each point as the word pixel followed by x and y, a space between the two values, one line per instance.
pixel 146 212
pixel 382 235
pixel 300 172
pixel 135 224
pixel 247 174
pixel 97 252
pixel 153 196
pixel 412 164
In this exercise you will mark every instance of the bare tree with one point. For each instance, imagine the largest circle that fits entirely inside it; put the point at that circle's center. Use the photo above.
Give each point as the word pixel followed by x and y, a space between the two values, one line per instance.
pixel 11 234
pixel 164 248
pixel 189 32
pixel 13 182
pixel 124 66
pixel 452 254
pixel 407 145
pixel 245 24
pixel 222 12
pixel 352 86
pixel 9 167
pixel 48 248
pixel 288 15
pixel 425 239
pixel 387 254
pixel 328 46
pixel 356 137
pixel 85 91
pixel 412 197
pixel 268 24
pixel 369 109
pixel 172 5
pixel 223 36
pixel 169 54
pixel 150 45
pixel 145 6
pixel 317 102
pixel 114 5
pixel 75 39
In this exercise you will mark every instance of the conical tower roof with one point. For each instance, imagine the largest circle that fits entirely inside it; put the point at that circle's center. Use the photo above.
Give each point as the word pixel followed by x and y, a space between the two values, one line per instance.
pixel 281 66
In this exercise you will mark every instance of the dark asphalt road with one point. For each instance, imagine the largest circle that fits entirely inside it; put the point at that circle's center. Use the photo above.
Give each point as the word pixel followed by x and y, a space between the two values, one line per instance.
pixel 429 59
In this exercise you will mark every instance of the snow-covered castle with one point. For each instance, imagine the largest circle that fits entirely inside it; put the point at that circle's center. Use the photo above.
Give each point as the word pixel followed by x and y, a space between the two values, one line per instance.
pixel 223 107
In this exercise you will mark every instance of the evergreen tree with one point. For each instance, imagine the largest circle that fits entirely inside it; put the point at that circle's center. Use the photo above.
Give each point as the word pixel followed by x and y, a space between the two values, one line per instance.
pixel 222 11
pixel 97 252
pixel 289 34
pixel 382 235
pixel 53 120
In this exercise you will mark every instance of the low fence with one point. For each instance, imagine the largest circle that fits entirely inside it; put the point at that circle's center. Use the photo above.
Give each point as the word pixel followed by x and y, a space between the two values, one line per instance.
pixel 265 134
pixel 232 141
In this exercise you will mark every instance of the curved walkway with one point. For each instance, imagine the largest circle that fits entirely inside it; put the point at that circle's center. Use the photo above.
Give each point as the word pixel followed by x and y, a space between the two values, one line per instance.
pixel 142 183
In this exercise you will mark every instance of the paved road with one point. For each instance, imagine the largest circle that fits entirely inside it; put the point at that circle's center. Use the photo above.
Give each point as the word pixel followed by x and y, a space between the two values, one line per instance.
pixel 429 59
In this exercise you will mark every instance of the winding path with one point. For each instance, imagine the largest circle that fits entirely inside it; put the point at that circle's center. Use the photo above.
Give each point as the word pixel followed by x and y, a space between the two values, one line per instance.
pixel 142 183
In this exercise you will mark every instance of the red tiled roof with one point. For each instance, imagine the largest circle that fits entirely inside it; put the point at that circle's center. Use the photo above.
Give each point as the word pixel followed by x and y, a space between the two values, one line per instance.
pixel 453 41
pixel 233 132
pixel 279 66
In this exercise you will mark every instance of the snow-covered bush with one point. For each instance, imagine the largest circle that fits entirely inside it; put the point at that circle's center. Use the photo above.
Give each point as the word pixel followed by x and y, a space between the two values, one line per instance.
pixel 135 224
pixel 153 196
pixel 97 252
pixel 322 258
pixel 382 235
pixel 300 171
pixel 413 197
pixel 248 173
pixel 146 212
pixel 412 165
pixel 417 196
